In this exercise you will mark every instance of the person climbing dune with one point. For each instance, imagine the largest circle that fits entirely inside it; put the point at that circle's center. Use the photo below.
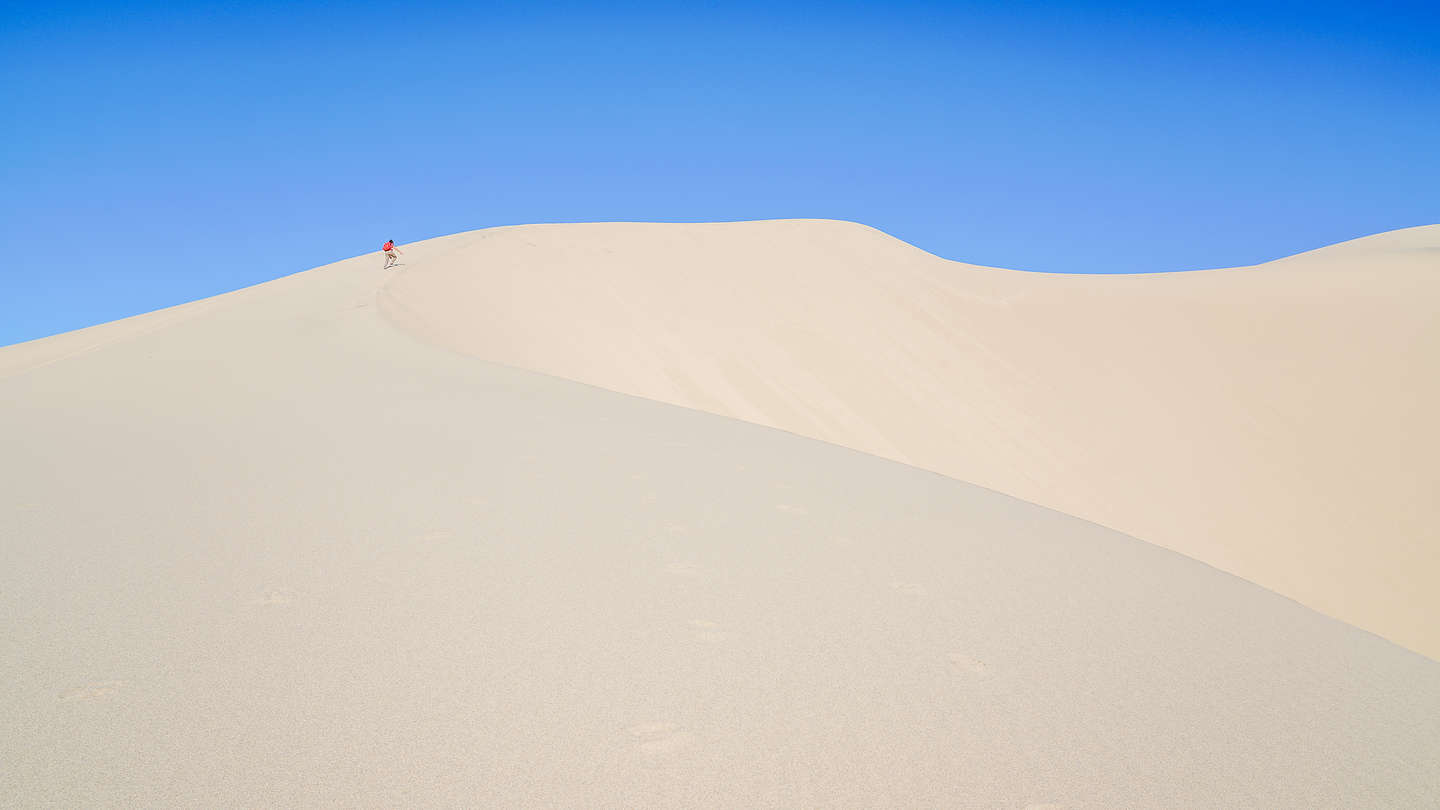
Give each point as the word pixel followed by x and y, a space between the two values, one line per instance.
pixel 391 259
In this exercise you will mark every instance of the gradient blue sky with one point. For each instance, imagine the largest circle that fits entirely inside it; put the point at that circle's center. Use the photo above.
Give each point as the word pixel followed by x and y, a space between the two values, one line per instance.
pixel 157 153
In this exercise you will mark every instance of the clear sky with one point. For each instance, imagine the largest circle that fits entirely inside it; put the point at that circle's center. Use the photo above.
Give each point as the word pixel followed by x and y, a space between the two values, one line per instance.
pixel 157 153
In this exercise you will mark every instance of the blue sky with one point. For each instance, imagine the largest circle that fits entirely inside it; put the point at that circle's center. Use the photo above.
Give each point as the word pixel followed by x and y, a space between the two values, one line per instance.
pixel 158 153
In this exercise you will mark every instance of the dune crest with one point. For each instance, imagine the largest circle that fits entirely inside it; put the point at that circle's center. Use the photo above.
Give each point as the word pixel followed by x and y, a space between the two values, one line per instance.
pixel 1274 421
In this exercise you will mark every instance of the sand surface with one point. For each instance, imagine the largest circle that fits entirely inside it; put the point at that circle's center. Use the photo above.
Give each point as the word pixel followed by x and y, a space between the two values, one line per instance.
pixel 269 550
pixel 1277 422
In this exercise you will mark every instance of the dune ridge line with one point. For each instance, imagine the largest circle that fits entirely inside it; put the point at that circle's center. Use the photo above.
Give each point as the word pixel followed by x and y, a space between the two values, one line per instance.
pixel 1275 421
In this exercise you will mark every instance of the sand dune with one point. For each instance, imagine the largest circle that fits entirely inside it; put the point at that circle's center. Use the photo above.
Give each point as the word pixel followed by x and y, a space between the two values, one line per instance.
pixel 267 550
pixel 1277 422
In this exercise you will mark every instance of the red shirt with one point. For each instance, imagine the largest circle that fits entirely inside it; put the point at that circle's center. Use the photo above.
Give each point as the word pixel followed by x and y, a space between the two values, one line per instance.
pixel 388 246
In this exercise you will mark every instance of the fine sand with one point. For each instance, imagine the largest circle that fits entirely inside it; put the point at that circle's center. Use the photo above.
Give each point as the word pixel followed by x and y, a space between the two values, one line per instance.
pixel 1278 422
pixel 269 550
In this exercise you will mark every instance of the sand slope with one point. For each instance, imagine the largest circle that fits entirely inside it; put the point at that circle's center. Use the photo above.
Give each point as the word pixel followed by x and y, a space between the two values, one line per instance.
pixel 266 550
pixel 1277 421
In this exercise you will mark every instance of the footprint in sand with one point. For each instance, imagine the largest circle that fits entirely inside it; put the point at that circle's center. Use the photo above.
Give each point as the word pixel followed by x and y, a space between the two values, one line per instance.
pixel 662 744
pixel 646 731
pixel 965 663
pixel 682 569
pixel 99 690
pixel 914 589
pixel 791 509
pixel 709 631
pixel 274 596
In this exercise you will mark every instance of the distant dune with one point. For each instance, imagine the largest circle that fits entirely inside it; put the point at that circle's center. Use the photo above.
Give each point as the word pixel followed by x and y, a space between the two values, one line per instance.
pixel 1277 421
pixel 268 550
